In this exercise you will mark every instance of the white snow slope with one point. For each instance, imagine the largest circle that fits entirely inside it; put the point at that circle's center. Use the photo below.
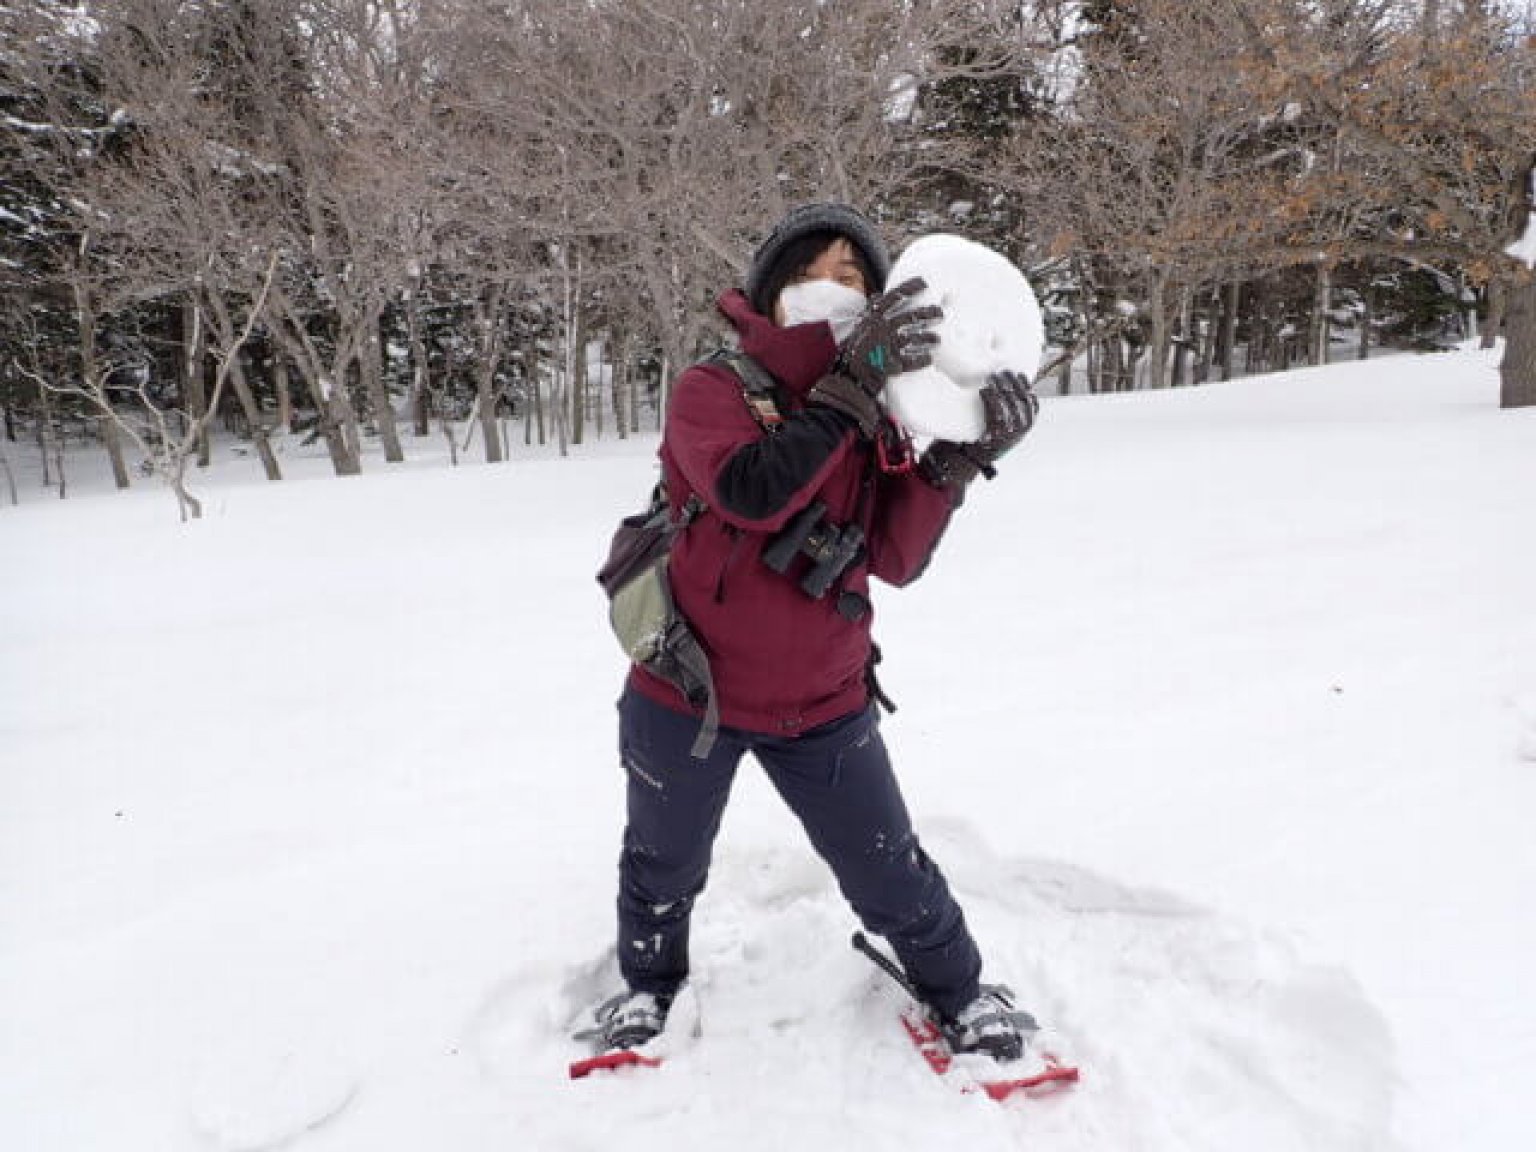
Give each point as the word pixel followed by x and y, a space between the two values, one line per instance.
pixel 1217 708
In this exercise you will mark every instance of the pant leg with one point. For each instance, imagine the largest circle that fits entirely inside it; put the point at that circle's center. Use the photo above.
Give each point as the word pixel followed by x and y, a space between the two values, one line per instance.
pixel 674 805
pixel 838 781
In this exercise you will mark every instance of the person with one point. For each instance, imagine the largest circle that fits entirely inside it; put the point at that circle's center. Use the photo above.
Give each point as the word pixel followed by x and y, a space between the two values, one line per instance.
pixel 803 504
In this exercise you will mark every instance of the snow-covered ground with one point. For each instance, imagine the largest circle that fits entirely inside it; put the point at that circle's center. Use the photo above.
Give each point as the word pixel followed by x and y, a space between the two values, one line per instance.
pixel 1219 708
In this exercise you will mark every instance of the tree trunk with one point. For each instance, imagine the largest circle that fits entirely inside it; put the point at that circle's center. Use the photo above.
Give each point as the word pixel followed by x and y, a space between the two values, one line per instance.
pixel 111 436
pixel 342 460
pixel 1229 316
pixel 1468 299
pixel 1114 363
pixel 419 401
pixel 190 506
pixel 578 384
pixel 242 388
pixel 485 405
pixel 252 413
pixel 1317 336
pixel 1367 318
pixel 334 411
pixel 45 436
pixel 1182 342
pixel 194 385
pixel 620 394
pixel 536 409
pixel 1498 299
pixel 337 385
pixel 1208 334
pixel 632 380
pixel 10 479
pixel 567 409
pixel 1157 305
pixel 559 408
pixel 532 405
pixel 345 415
pixel 371 369
pixel 488 321
pixel 284 391
pixel 595 388
pixel 1258 329
pixel 1517 370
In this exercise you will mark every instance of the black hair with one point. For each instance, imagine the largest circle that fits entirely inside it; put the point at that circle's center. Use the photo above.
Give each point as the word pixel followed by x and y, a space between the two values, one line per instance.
pixel 798 255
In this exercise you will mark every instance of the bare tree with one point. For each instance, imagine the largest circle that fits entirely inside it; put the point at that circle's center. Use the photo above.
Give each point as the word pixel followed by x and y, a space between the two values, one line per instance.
pixel 667 134
pixel 177 224
pixel 499 186
pixel 93 375
pixel 167 438
pixel 26 356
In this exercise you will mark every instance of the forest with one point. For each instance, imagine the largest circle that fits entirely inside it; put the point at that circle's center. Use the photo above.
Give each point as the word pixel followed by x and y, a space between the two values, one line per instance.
pixel 368 221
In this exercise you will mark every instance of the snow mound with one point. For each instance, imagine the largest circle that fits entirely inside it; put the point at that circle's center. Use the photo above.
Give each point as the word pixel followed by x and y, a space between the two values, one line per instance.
pixel 991 322
pixel 270 1079
pixel 1192 1031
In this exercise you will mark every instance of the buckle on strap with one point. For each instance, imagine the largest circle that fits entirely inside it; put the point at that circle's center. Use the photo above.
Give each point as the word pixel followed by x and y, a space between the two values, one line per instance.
pixel 893 448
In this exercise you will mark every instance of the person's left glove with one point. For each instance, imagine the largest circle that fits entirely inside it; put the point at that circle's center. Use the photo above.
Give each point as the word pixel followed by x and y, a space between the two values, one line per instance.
pixel 1010 407
pixel 890 338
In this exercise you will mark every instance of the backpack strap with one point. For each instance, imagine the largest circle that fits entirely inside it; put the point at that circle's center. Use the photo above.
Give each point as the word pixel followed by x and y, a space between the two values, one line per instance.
pixel 758 388
pixel 692 508
pixel 688 653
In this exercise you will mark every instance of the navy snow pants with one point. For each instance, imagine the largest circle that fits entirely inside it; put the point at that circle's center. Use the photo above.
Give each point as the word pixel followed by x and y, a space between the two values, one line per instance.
pixel 838 781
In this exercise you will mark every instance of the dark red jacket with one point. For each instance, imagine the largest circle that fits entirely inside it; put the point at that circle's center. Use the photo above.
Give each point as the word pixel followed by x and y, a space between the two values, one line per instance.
pixel 782 662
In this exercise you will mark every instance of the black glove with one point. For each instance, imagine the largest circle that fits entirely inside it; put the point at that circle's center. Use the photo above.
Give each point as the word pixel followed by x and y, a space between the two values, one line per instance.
pixel 1010 407
pixel 890 338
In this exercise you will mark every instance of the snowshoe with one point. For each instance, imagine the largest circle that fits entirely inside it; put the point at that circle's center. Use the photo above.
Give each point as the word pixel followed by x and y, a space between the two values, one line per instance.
pixel 989 1046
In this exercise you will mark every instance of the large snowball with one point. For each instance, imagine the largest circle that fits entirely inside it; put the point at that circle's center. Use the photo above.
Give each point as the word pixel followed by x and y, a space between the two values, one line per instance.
pixel 991 322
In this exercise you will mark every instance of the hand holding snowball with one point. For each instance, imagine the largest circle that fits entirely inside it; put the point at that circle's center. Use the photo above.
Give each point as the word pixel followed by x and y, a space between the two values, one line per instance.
pixel 1009 406
pixel 892 337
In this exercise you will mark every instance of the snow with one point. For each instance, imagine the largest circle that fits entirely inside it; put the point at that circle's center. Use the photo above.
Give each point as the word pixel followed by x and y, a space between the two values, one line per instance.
pixel 1524 249
pixel 1215 707
pixel 991 323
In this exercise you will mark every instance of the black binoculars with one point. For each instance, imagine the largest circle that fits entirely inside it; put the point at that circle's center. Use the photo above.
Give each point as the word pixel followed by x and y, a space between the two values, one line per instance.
pixel 830 547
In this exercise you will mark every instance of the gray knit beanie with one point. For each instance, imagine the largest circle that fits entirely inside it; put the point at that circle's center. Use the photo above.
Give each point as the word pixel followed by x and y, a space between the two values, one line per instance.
pixel 766 277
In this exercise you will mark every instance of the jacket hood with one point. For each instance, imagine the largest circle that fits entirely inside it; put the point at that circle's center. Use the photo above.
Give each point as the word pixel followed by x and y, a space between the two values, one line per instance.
pixel 797 357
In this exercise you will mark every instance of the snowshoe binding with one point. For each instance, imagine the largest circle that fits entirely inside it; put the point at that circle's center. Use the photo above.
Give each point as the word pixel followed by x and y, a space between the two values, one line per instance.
pixel 989 1025
pixel 623 1026
pixel 631 1019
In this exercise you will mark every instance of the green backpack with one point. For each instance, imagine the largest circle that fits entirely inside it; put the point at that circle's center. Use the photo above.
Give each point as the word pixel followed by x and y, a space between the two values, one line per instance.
pixel 645 618
pixel 651 630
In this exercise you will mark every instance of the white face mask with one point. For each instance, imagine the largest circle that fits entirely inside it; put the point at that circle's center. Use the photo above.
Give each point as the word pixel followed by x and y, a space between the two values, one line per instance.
pixel 811 300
